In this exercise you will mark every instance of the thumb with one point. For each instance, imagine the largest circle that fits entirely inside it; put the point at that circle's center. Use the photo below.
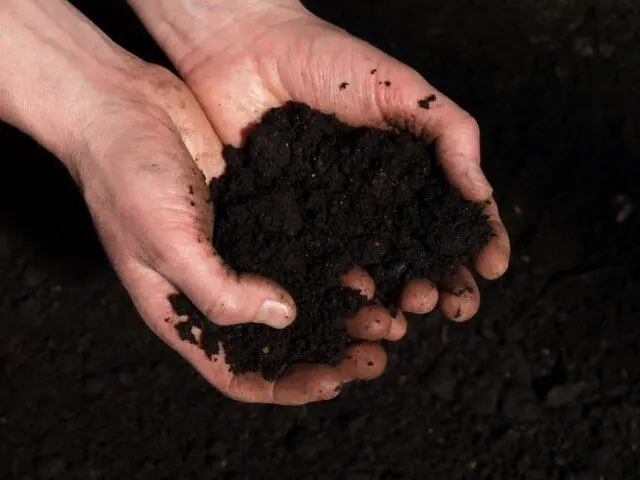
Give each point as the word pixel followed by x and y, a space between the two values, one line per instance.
pixel 184 255
pixel 225 297
pixel 196 269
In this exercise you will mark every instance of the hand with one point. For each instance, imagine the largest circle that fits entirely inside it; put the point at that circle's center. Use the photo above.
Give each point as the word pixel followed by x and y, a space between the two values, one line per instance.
pixel 242 58
pixel 142 151
pixel 148 198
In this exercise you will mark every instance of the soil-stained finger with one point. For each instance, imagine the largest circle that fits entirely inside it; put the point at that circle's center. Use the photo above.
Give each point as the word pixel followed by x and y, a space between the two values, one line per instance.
pixel 370 323
pixel 459 298
pixel 358 279
pixel 305 384
pixel 363 361
pixel 493 260
pixel 419 296
pixel 398 328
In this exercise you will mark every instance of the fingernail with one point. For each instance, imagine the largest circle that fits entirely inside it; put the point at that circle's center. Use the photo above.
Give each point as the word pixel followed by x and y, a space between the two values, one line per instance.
pixel 274 314
pixel 477 177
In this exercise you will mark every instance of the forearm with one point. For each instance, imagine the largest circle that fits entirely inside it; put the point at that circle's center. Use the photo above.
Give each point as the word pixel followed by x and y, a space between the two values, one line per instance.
pixel 181 27
pixel 50 52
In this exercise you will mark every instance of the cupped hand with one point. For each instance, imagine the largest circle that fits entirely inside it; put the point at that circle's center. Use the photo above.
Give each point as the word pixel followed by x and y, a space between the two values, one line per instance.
pixel 149 159
pixel 242 58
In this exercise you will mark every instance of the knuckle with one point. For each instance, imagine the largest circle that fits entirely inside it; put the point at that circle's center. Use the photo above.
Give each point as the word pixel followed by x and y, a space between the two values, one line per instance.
pixel 223 311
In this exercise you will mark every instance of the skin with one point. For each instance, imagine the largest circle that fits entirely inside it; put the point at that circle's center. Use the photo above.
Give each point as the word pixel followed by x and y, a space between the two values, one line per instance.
pixel 142 145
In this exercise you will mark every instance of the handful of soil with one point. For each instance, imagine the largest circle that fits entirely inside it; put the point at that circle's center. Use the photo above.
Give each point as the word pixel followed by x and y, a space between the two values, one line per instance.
pixel 306 199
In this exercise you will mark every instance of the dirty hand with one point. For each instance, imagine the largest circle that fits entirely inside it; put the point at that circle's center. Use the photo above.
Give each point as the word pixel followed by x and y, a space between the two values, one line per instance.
pixel 241 58
pixel 141 150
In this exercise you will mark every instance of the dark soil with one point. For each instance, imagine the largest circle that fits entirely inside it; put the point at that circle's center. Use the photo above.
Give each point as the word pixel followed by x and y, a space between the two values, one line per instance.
pixel 544 384
pixel 308 198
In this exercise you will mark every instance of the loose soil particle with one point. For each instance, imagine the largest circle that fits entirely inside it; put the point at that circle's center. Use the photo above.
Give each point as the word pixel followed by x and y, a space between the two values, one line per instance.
pixel 425 103
pixel 306 199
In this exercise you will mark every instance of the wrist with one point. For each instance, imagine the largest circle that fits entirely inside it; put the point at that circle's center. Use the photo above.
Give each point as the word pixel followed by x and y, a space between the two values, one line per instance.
pixel 56 65
pixel 191 31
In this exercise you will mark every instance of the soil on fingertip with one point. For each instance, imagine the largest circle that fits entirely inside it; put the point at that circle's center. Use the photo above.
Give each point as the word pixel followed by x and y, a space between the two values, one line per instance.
pixel 309 197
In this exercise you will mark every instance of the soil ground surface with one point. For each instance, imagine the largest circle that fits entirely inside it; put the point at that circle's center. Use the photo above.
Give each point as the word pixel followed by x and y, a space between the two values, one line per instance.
pixel 543 384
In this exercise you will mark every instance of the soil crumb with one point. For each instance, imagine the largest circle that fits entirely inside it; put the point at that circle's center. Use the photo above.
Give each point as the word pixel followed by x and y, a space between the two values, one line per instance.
pixel 307 198
pixel 426 102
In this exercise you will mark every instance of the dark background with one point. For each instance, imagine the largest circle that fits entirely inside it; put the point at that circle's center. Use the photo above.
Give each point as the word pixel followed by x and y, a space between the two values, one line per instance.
pixel 544 384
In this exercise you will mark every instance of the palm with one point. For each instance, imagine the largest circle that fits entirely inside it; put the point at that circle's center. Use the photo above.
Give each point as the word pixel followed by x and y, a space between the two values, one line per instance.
pixel 307 61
